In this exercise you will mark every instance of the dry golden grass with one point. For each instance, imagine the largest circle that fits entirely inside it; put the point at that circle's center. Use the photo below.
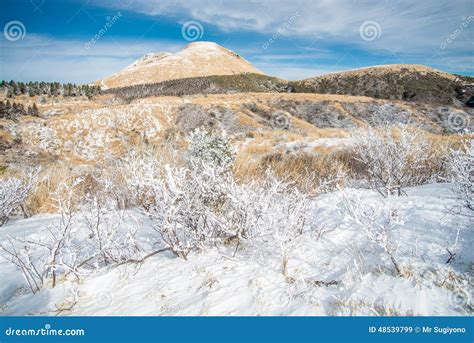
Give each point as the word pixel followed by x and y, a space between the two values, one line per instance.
pixel 247 119
pixel 5 138
pixel 452 141
pixel 41 199
pixel 304 170
pixel 239 99
pixel 260 154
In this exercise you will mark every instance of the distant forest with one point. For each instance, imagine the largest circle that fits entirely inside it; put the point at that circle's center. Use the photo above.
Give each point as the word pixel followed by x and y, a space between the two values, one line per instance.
pixel 14 88
pixel 13 110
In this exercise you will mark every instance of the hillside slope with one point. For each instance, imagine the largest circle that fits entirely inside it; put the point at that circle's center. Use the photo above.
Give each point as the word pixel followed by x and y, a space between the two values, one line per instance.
pixel 90 132
pixel 396 82
pixel 196 59
pixel 214 84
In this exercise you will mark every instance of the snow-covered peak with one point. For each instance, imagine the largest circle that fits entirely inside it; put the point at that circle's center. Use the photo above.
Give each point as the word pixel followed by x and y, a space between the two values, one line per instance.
pixel 196 59
pixel 203 45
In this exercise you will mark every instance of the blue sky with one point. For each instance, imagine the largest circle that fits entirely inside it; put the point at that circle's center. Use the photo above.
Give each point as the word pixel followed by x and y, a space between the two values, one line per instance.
pixel 291 39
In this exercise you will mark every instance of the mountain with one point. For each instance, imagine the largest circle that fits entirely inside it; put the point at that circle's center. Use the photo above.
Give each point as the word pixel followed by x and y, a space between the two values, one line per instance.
pixel 411 83
pixel 196 59
pixel 208 68
pixel 406 82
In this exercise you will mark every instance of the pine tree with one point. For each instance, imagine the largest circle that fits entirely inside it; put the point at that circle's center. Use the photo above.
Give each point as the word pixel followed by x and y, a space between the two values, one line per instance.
pixel 3 111
pixel 34 110
pixel 22 88
pixel 16 90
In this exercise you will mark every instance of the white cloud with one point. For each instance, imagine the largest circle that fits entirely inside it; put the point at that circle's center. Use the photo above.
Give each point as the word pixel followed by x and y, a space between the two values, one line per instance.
pixel 44 58
pixel 406 25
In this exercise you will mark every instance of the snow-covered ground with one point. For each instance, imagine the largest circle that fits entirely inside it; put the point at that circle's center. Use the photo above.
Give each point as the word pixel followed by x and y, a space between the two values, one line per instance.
pixel 335 269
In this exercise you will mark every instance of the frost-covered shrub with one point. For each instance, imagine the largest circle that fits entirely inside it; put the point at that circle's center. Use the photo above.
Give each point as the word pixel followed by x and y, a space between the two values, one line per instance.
pixel 201 205
pixel 182 203
pixel 461 173
pixel 77 242
pixel 387 114
pixel 320 114
pixel 138 171
pixel 51 253
pixel 195 207
pixel 378 221
pixel 13 193
pixel 108 243
pixel 270 215
pixel 210 148
pixel 193 116
pixel 394 157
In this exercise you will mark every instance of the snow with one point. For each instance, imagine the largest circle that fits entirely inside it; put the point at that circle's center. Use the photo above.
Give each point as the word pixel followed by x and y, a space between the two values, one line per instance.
pixel 215 283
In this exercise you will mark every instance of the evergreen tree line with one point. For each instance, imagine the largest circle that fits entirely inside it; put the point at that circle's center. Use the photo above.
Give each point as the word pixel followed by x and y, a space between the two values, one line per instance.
pixel 14 110
pixel 14 88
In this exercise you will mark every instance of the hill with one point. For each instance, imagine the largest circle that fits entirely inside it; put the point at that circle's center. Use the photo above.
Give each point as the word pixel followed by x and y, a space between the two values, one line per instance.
pixel 397 82
pixel 196 59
